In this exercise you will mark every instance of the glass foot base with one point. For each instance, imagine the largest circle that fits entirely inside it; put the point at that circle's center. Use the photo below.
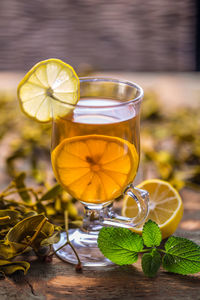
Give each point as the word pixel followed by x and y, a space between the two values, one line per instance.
pixel 86 247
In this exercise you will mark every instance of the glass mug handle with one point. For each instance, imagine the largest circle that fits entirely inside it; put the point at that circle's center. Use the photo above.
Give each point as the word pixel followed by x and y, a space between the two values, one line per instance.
pixel 141 197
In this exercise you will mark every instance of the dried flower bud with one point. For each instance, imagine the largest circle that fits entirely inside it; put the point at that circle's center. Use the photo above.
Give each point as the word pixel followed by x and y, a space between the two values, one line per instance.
pixel 48 259
pixel 79 268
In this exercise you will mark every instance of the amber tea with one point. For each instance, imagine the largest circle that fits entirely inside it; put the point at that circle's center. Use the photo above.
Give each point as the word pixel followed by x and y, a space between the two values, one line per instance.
pixel 95 155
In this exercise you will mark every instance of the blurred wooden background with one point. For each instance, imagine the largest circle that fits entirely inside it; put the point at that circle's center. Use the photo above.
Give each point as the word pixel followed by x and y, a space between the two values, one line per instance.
pixel 131 35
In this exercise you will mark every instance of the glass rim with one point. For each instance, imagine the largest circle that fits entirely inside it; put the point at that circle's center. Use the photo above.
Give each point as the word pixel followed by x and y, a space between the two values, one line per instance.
pixel 101 79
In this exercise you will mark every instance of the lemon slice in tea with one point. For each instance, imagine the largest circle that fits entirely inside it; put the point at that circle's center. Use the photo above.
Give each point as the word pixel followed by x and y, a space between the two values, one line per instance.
pixel 48 80
pixel 95 168
pixel 165 206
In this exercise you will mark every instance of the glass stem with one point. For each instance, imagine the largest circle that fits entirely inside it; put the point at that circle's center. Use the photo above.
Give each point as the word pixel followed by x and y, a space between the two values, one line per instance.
pixel 94 216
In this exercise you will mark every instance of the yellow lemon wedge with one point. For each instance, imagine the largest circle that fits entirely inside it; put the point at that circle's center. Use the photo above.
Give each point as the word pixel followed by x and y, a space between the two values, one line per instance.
pixel 165 206
pixel 46 82
pixel 94 168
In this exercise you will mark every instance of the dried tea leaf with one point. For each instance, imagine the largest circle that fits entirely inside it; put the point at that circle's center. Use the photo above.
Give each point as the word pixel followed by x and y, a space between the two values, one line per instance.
pixel 51 240
pixel 72 211
pixel 3 232
pixel 9 267
pixel 38 174
pixel 9 217
pixel 24 233
pixel 19 181
pixel 29 214
pixel 52 193
pixel 6 250
pixel 58 205
pixel 48 229
pixel 66 197
pixel 50 210
pixel 27 234
pixel 24 228
pixel 10 160
pixel 4 220
pixel 40 208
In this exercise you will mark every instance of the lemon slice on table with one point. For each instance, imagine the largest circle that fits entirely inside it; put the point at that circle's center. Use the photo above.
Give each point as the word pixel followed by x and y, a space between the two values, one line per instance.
pixel 94 168
pixel 165 206
pixel 46 82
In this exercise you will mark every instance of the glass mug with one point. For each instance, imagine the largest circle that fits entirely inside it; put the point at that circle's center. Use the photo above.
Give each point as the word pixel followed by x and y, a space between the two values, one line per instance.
pixel 95 157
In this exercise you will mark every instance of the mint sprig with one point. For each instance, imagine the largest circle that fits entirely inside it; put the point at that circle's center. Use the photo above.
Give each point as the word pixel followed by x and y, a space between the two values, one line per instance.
pixel 151 234
pixel 182 256
pixel 151 263
pixel 122 246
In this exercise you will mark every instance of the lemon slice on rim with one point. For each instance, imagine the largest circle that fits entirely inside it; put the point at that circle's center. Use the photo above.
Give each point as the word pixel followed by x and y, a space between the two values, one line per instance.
pixel 46 82
pixel 95 168
pixel 165 206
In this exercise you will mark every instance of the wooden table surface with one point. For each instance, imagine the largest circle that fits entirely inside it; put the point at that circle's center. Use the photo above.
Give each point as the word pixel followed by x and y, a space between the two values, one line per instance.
pixel 58 280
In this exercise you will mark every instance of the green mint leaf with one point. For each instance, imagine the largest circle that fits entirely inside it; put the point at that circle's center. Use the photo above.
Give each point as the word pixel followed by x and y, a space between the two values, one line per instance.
pixel 182 256
pixel 151 263
pixel 151 234
pixel 120 245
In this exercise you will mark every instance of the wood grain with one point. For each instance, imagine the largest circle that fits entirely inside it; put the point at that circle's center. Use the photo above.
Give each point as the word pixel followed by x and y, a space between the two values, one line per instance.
pixel 60 281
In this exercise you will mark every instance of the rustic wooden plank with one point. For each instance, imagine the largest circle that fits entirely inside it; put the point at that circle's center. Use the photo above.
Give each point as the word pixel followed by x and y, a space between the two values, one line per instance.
pixel 10 290
pixel 60 281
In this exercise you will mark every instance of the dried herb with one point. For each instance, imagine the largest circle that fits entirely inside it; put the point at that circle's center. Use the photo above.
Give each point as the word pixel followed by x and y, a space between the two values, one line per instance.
pixel 24 225
pixel 171 143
